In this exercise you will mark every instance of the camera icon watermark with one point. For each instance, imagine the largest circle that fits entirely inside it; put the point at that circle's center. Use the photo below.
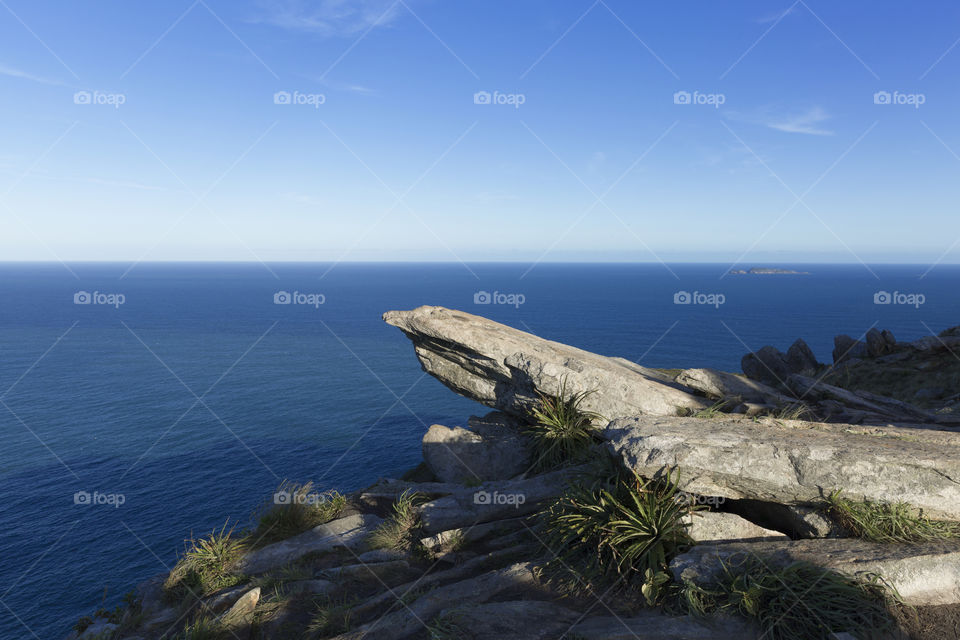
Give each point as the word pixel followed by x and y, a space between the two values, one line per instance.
pixel 311 299
pixel 297 98
pixel 488 498
pixel 485 297
pixel 910 299
pixel 699 298
pixel 511 99
pixel 86 498
pixel 910 99
pixel 709 99
pixel 99 98
pixel 111 299
pixel 296 497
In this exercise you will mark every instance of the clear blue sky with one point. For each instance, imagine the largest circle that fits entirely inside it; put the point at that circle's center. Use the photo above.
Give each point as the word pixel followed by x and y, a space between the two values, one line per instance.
pixel 199 162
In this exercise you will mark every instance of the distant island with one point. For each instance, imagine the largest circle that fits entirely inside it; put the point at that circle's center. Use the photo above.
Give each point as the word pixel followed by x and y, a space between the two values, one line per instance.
pixel 766 271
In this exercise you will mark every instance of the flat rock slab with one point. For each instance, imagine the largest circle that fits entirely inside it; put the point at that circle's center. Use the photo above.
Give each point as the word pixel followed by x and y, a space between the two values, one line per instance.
pixel 506 368
pixel 350 532
pixel 793 462
pixel 719 384
pixel 923 574
pixel 716 526
pixel 656 626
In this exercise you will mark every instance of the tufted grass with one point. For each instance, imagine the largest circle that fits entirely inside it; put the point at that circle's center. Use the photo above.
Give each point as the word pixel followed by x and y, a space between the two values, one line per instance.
pixel 887 522
pixel 562 431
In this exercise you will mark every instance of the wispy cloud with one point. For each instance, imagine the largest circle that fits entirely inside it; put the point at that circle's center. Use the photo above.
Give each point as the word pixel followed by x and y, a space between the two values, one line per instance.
pixel 329 17
pixel 11 72
pixel 779 15
pixel 807 123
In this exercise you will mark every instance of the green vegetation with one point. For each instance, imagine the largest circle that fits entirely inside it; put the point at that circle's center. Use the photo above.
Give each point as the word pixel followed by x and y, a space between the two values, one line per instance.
pixel 795 411
pixel 398 531
pixel 203 628
pixel 714 410
pixel 561 430
pixel 205 566
pixel 447 626
pixel 624 530
pixel 301 509
pixel 887 522
pixel 332 617
pixel 799 602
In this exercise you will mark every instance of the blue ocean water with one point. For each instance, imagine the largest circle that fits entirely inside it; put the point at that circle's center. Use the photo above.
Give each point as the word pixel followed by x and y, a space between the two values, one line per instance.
pixel 192 399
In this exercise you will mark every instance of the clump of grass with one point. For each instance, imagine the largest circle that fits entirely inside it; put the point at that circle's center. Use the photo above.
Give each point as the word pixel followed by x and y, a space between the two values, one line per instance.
pixel 798 602
pixel 714 410
pixel 887 522
pixel 795 411
pixel 397 532
pixel 296 508
pixel 333 616
pixel 206 566
pixel 82 624
pixel 623 531
pixel 202 628
pixel 447 626
pixel 562 431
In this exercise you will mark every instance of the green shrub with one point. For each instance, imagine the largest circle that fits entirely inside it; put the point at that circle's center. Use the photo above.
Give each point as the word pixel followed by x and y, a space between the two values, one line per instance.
pixel 561 430
pixel 625 532
pixel 333 616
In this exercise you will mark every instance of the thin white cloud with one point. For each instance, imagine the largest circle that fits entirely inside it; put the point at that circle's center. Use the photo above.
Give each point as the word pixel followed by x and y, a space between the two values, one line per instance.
pixel 24 75
pixel 807 123
pixel 329 17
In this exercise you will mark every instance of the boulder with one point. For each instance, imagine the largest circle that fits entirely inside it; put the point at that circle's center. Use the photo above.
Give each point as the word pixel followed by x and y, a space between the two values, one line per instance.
pixel 719 384
pixel 493 449
pixel 846 348
pixel 795 462
pixel 716 526
pixel 923 574
pixel 350 532
pixel 877 344
pixel 767 365
pixel 800 357
pixel 238 620
pixel 507 369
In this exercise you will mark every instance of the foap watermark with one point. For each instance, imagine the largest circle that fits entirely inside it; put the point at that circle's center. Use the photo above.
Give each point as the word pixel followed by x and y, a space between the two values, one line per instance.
pixel 512 99
pixel 497 498
pixel 100 98
pixel 895 97
pixel 698 297
pixel 298 497
pixel 87 498
pixel 310 99
pixel 898 297
pixel 693 499
pixel 98 297
pixel 485 297
pixel 709 99
pixel 312 299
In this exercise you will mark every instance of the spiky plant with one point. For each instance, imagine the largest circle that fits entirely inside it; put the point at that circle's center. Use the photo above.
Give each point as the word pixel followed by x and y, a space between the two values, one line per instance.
pixel 561 429
pixel 206 566
pixel 625 533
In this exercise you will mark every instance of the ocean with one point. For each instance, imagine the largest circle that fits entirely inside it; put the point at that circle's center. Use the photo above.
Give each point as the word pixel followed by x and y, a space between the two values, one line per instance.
pixel 140 405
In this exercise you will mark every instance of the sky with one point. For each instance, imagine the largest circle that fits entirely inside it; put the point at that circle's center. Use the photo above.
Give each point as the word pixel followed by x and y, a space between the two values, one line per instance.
pixel 524 130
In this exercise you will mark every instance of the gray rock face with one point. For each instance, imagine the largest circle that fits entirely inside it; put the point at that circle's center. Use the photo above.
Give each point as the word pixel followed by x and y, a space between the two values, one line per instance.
pixel 923 574
pixel 845 348
pixel 716 526
pixel 505 368
pixel 719 384
pixel 794 520
pixel 492 449
pixel 656 626
pixel 893 409
pixel 800 357
pixel 512 620
pixel 767 364
pixel 238 620
pixel 345 532
pixel 793 462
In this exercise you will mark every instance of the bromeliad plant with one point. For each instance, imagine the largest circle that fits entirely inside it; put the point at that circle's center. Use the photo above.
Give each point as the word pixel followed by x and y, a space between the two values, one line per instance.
pixel 623 532
pixel 561 429
pixel 205 567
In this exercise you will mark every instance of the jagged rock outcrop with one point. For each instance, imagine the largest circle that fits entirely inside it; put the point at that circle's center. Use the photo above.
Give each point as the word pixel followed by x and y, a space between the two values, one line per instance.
pixel 722 385
pixel 493 448
pixel 506 368
pixel 794 462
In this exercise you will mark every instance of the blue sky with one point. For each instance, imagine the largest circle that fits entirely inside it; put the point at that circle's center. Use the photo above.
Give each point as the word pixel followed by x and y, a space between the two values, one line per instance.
pixel 782 154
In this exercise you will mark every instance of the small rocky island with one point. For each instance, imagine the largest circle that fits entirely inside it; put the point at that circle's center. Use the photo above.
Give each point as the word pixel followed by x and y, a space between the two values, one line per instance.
pixel 767 271
pixel 602 500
